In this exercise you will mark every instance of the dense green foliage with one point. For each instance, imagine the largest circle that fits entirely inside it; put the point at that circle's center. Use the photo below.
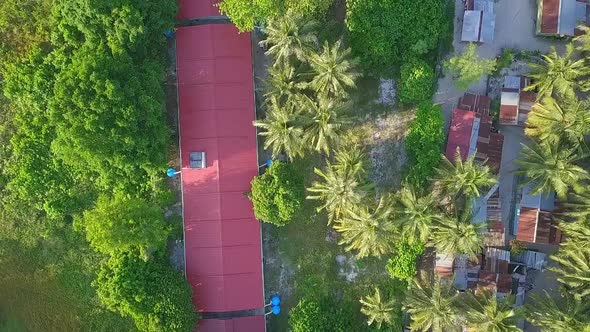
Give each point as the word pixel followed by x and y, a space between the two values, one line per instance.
pixel 84 117
pixel 403 263
pixel 155 296
pixel 277 195
pixel 245 14
pixel 424 143
pixel 467 68
pixel 124 225
pixel 321 315
pixel 416 82
pixel 385 34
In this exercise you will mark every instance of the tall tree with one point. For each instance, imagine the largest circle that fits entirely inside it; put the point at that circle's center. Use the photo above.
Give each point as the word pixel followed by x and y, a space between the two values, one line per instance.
pixel 557 74
pixel 484 312
pixel 558 314
pixel 552 167
pixel 339 187
pixel 281 83
pixel 333 70
pixel 553 120
pixel 370 231
pixel 458 235
pixel 431 305
pixel 467 68
pixel 414 215
pixel 377 309
pixel 574 270
pixel 283 129
pixel 324 122
pixel 290 37
pixel 464 177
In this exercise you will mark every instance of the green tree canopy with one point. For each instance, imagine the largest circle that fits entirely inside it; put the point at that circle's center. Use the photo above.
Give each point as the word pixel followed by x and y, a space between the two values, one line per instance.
pixel 124 225
pixel 377 309
pixel 277 195
pixel 467 68
pixel 559 74
pixel 458 235
pixel 552 167
pixel 574 270
pixel 155 296
pixel 385 33
pixel 321 315
pixel 370 231
pixel 245 14
pixel 464 178
pixel 484 312
pixel 414 215
pixel 431 305
pixel 405 257
pixel 559 313
pixel 333 70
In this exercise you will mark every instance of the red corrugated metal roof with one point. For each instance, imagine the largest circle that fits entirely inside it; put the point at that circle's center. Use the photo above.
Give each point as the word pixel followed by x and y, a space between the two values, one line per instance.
pixel 197 8
pixel 216 106
pixel 550 16
pixel 527 224
pixel 508 114
pixel 460 133
pixel 242 324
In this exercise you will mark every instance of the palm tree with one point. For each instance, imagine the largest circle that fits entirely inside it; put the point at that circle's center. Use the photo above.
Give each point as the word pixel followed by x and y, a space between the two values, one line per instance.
pixel 552 314
pixel 557 73
pixel 369 231
pixel 414 215
pixel 324 122
pixel 281 83
pixel 551 120
pixel 574 269
pixel 464 177
pixel 458 235
pixel 485 313
pixel 431 305
pixel 289 36
pixel 351 159
pixel 551 167
pixel 339 189
pixel 334 70
pixel 378 310
pixel 282 130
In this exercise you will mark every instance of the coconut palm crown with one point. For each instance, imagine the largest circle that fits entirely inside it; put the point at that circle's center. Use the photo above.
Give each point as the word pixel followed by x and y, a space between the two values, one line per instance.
pixel 290 36
pixel 467 177
pixel 458 235
pixel 414 215
pixel 377 309
pixel 552 167
pixel 484 312
pixel 334 70
pixel 431 306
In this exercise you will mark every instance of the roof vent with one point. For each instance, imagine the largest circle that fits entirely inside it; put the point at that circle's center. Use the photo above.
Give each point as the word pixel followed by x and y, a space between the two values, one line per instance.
pixel 197 160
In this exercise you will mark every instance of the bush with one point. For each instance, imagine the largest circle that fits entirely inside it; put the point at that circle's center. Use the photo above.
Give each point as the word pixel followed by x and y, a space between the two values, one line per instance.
pixel 277 195
pixel 322 315
pixel 384 33
pixel 424 143
pixel 124 225
pixel 467 68
pixel 403 264
pixel 152 293
pixel 416 82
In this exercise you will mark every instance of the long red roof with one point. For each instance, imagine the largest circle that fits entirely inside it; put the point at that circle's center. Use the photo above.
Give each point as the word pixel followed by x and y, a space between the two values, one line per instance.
pixel 216 110
pixel 197 8
pixel 460 133
pixel 241 324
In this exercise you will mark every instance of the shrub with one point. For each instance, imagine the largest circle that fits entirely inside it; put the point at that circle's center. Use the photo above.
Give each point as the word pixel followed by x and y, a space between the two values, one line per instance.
pixel 416 82
pixel 277 195
pixel 383 33
pixel 504 60
pixel 124 225
pixel 424 143
pixel 403 264
pixel 322 315
pixel 152 293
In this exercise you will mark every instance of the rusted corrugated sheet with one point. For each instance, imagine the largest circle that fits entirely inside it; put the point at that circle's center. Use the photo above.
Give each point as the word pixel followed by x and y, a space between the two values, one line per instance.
pixel 550 16
pixel 527 223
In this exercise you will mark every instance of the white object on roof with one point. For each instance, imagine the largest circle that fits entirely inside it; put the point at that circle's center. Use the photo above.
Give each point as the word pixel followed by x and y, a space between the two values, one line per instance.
pixel 509 98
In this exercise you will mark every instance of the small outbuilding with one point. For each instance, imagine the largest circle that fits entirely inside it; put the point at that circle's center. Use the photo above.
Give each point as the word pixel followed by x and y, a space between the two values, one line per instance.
pixel 515 103
pixel 561 17
pixel 479 21
pixel 535 222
